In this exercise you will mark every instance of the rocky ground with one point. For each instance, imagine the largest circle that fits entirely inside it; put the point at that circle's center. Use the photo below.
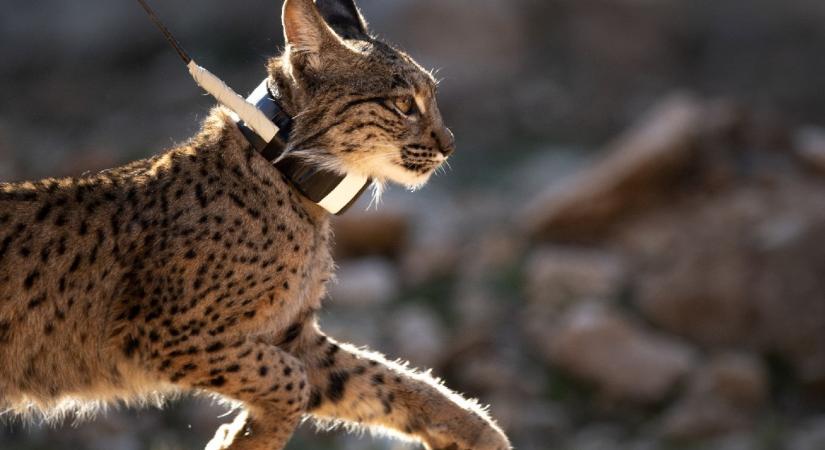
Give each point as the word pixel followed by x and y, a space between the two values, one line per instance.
pixel 661 291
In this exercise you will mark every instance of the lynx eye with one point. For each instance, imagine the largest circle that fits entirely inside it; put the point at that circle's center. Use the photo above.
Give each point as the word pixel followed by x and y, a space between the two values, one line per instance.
pixel 404 104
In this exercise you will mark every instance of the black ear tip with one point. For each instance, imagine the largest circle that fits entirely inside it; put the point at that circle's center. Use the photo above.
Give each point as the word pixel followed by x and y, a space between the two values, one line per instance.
pixel 343 17
pixel 346 5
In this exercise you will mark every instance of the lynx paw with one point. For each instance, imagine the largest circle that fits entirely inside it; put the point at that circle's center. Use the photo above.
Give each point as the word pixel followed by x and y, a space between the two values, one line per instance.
pixel 457 436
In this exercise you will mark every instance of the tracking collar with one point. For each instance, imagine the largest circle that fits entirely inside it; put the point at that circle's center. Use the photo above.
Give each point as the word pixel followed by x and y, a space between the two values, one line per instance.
pixel 331 191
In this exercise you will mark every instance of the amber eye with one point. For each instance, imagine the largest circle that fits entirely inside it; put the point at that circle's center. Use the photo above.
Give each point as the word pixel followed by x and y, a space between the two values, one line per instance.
pixel 404 104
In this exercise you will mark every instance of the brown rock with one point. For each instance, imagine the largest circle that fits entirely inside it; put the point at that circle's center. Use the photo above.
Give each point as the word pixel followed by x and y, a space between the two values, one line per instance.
pixel 559 275
pixel 695 418
pixel 739 378
pixel 694 268
pixel 633 174
pixel 722 396
pixel 359 234
pixel 430 260
pixel 625 361
pixel 740 268
pixel 788 290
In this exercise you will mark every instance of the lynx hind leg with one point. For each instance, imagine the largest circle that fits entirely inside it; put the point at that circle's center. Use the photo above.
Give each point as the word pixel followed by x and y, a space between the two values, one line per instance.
pixel 270 383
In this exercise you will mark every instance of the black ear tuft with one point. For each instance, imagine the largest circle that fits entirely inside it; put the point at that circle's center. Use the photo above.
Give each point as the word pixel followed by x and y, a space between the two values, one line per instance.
pixel 343 17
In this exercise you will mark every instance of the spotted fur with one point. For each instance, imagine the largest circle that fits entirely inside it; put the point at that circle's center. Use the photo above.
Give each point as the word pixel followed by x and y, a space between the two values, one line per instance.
pixel 202 269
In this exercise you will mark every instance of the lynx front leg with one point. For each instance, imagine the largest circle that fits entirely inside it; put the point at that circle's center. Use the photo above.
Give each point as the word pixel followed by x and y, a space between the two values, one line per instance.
pixel 363 387
pixel 271 383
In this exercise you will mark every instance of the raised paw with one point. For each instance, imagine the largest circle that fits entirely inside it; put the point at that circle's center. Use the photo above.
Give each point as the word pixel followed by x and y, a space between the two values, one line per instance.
pixel 479 435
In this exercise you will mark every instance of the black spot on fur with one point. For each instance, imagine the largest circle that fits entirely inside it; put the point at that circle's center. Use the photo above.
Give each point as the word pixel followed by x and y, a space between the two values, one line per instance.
pixel 75 263
pixel 212 348
pixel 237 200
pixel 134 311
pixel 37 301
pixel 30 279
pixel 293 332
pixel 315 400
pixel 337 386
pixel 130 345
pixel 43 212
pixel 5 331
pixel 329 358
pixel 201 196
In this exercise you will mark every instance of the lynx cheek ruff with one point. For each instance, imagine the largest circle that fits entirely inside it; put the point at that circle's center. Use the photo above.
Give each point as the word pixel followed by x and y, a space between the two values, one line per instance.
pixel 266 126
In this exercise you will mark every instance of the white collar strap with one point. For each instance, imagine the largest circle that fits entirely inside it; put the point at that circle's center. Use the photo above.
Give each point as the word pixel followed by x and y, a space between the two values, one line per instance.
pixel 331 191
pixel 266 126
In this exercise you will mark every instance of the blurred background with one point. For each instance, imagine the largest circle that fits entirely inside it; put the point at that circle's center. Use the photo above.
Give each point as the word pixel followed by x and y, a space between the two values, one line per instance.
pixel 627 252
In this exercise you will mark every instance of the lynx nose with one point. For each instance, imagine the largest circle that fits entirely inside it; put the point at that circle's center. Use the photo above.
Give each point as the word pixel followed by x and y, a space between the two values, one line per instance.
pixel 446 141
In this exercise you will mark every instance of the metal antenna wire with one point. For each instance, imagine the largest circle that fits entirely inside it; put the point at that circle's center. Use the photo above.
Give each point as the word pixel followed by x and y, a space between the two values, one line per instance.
pixel 166 33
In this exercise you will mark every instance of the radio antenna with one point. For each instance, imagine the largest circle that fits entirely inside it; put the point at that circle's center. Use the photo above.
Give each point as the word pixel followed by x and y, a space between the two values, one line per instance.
pixel 166 33
pixel 251 115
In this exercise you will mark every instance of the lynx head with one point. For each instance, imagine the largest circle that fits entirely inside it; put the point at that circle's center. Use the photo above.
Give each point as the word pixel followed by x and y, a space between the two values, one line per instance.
pixel 358 104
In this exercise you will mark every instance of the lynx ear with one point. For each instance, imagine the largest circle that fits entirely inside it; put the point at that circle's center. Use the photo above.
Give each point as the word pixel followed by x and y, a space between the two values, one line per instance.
pixel 344 17
pixel 304 29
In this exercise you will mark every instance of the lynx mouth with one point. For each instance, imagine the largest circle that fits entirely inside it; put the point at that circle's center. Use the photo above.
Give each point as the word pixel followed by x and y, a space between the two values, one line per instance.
pixel 421 168
pixel 423 165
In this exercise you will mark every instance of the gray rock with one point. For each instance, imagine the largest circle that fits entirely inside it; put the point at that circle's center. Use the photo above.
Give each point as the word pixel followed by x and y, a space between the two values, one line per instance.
pixel 733 441
pixel 809 147
pixel 430 259
pixel 624 360
pixel 357 326
pixel 527 416
pixel 597 437
pixel 365 282
pixel 809 436
pixel 418 335
pixel 484 263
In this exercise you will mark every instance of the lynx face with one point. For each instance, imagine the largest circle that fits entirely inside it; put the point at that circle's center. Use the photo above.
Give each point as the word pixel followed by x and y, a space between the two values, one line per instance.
pixel 359 104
